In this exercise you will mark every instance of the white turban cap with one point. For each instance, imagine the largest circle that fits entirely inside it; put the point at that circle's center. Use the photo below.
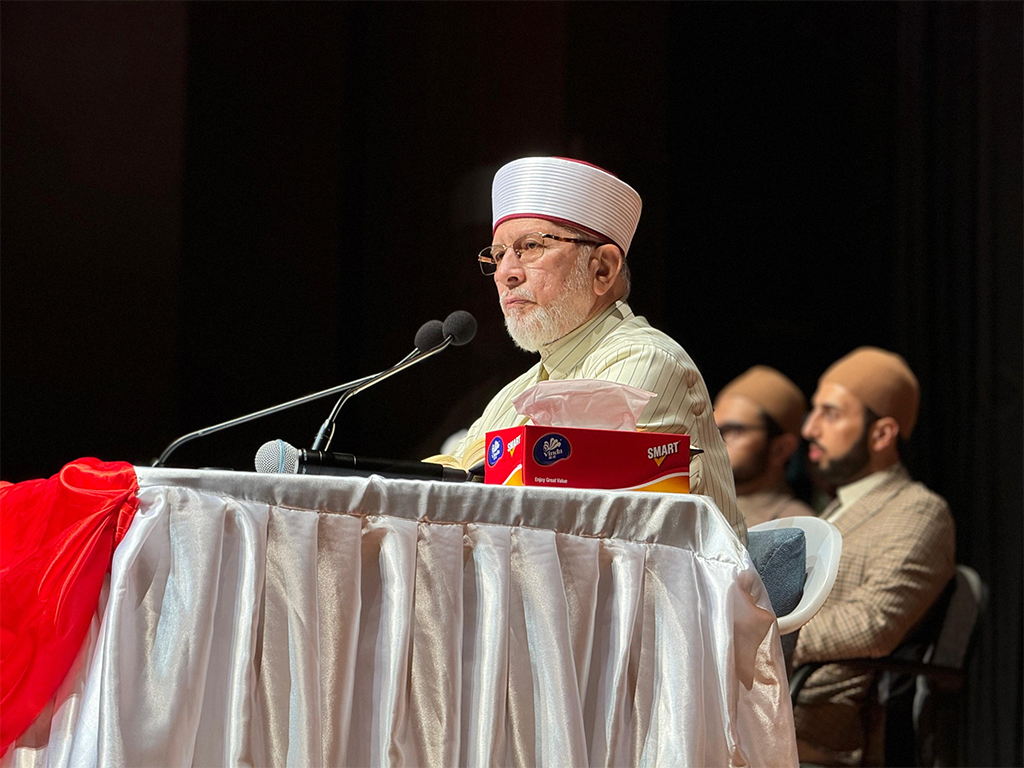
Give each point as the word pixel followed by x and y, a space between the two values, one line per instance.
pixel 568 192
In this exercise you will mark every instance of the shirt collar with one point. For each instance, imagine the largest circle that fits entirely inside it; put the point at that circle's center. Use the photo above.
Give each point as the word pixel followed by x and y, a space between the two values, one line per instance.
pixel 559 358
pixel 858 489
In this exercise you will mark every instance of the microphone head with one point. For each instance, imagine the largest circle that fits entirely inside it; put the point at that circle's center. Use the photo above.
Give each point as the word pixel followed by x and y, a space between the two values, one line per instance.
pixel 277 457
pixel 460 326
pixel 430 335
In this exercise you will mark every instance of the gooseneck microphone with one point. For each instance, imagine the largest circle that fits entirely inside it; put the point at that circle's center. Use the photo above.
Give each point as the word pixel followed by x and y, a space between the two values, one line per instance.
pixel 458 328
pixel 277 456
pixel 429 338
pixel 430 335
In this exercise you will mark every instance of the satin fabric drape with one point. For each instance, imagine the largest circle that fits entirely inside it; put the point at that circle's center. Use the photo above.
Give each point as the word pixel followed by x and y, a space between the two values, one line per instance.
pixel 270 620
pixel 55 547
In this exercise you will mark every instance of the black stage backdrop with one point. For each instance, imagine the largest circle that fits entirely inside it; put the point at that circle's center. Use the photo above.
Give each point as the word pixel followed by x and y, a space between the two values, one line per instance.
pixel 210 208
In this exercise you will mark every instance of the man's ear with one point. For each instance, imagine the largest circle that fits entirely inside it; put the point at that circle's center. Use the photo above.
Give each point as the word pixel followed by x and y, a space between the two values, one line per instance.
pixel 885 433
pixel 605 265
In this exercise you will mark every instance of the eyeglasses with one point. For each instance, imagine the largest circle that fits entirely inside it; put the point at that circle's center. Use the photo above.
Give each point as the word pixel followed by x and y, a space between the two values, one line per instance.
pixel 528 248
pixel 732 429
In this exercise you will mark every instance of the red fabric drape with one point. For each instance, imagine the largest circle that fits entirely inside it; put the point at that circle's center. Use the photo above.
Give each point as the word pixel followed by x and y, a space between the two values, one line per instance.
pixel 57 538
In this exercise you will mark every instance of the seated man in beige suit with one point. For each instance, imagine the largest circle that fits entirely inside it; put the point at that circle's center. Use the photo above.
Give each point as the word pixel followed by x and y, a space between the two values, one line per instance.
pixel 898 549
pixel 759 415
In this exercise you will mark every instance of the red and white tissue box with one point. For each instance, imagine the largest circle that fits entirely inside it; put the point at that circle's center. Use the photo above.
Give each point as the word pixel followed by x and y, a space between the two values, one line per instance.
pixel 572 457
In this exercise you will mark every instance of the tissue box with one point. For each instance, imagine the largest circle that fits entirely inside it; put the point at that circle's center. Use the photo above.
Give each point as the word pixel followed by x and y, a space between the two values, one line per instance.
pixel 564 457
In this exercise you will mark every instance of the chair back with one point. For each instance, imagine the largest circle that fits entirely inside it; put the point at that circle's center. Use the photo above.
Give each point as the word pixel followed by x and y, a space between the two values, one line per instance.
pixel 824 544
pixel 934 697
pixel 953 644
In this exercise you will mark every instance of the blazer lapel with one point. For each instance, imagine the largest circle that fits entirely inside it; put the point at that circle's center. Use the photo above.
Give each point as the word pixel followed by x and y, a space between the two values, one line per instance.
pixel 874 501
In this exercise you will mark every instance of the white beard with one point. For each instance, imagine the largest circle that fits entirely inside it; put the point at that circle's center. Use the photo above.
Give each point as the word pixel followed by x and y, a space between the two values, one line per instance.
pixel 541 326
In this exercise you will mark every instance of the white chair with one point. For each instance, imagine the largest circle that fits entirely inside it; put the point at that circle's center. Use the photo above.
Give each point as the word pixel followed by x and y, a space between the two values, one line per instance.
pixel 824 545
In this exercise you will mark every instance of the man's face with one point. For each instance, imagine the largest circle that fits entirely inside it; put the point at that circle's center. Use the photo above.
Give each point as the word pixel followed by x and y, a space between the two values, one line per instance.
pixel 550 297
pixel 838 450
pixel 745 434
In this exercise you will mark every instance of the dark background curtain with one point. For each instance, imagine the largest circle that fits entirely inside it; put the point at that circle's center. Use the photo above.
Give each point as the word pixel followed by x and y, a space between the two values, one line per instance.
pixel 210 208
pixel 958 276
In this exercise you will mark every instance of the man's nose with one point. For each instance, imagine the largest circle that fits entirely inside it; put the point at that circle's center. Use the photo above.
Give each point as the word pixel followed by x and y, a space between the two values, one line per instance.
pixel 510 270
pixel 810 426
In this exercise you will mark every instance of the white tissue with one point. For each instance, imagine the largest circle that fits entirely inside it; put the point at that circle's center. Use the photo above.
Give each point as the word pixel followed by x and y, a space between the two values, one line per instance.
pixel 587 403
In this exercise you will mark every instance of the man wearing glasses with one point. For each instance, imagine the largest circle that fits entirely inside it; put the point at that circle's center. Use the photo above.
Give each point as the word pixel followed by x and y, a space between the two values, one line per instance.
pixel 759 415
pixel 561 232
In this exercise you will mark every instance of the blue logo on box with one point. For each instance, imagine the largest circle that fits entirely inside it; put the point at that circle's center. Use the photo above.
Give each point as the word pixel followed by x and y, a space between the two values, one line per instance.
pixel 551 448
pixel 495 450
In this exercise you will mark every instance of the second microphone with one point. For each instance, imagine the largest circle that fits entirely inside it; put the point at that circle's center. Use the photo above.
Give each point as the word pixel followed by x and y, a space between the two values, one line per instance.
pixel 277 456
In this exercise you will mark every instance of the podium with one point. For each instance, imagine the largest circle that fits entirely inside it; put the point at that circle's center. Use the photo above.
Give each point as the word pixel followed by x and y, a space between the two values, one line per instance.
pixel 324 621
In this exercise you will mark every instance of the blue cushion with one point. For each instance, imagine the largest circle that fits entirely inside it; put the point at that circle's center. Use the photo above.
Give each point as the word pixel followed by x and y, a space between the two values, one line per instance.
pixel 780 556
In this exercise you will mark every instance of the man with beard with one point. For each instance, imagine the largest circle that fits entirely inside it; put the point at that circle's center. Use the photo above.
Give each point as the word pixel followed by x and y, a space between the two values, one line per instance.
pixel 759 415
pixel 562 229
pixel 898 550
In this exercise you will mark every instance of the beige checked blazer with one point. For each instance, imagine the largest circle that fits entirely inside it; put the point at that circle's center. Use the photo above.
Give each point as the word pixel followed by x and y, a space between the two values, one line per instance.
pixel 898 555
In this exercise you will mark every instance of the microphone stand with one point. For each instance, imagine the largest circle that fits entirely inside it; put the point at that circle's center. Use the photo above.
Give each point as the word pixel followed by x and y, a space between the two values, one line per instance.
pixel 365 381
pixel 326 433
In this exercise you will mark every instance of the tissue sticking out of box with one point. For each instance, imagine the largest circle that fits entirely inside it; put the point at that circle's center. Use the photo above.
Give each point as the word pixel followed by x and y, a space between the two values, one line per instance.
pixel 584 403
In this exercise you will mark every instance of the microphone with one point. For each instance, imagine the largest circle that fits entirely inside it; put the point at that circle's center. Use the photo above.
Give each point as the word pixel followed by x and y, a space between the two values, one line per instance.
pixel 458 328
pixel 277 456
pixel 430 336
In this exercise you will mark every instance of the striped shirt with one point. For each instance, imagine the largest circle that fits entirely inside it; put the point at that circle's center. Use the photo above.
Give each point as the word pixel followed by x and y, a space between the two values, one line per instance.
pixel 619 346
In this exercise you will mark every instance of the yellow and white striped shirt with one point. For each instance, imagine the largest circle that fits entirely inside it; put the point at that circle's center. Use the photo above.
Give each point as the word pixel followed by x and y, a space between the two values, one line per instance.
pixel 618 346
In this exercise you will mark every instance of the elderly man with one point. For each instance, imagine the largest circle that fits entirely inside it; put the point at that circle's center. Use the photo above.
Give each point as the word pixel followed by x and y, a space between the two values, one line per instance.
pixel 759 414
pixel 562 229
pixel 898 549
